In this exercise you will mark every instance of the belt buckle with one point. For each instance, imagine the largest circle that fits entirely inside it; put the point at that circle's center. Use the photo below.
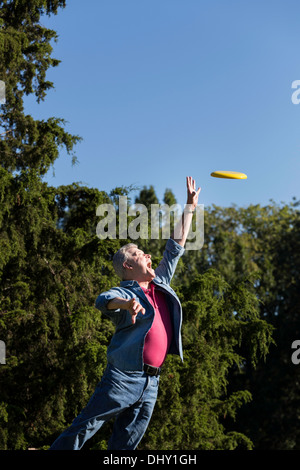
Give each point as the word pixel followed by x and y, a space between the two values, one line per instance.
pixel 151 370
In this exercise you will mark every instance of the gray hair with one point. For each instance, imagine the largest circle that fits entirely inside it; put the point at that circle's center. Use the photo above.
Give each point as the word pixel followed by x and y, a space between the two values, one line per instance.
pixel 120 257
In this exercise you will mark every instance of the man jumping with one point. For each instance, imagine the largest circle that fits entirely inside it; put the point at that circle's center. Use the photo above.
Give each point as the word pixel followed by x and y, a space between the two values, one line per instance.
pixel 147 315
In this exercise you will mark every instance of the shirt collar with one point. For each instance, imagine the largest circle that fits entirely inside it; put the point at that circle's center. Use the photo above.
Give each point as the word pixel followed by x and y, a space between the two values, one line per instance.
pixel 131 282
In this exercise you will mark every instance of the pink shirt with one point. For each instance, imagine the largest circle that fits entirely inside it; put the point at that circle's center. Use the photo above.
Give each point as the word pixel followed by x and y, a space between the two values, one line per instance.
pixel 158 338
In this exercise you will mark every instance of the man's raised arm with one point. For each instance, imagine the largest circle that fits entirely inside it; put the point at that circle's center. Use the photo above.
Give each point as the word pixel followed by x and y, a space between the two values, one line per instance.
pixel 181 232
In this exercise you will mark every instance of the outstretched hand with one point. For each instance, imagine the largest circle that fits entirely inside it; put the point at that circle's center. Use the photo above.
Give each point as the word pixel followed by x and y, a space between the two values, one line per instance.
pixel 134 308
pixel 192 194
pixel 132 305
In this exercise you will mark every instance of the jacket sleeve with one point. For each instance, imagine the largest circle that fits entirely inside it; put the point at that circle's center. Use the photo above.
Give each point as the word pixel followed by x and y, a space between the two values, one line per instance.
pixel 103 299
pixel 166 268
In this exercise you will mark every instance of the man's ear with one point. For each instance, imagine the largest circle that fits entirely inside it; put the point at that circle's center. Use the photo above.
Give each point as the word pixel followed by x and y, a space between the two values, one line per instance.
pixel 126 265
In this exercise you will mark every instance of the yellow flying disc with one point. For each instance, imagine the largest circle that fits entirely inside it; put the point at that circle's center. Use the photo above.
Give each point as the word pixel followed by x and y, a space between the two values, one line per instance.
pixel 233 175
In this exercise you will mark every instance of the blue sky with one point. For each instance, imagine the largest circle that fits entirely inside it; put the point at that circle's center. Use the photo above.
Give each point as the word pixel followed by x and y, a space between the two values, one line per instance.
pixel 162 89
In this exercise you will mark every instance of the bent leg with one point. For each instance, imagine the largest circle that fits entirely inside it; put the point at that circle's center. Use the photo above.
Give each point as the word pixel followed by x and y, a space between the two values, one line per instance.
pixel 88 422
pixel 131 424
pixel 106 402
pixel 117 391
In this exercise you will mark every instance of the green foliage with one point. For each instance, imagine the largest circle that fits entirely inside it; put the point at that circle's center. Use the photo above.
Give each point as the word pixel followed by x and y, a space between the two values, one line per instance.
pixel 147 197
pixel 25 56
pixel 53 268
pixel 194 399
pixel 56 340
pixel 261 244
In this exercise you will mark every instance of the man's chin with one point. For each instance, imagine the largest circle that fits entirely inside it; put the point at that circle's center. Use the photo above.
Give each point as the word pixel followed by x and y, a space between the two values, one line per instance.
pixel 151 273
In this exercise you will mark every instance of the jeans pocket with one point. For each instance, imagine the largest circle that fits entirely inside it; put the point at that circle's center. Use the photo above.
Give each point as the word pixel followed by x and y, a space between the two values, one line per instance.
pixel 154 382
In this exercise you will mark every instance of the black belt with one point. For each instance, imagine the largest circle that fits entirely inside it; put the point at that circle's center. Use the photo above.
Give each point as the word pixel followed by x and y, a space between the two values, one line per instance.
pixel 150 370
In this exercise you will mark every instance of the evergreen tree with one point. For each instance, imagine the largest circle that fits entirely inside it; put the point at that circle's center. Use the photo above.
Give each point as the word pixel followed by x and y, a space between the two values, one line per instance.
pixel 263 242
pixel 52 267
pixel 51 264
pixel 194 397
pixel 147 196
pixel 28 145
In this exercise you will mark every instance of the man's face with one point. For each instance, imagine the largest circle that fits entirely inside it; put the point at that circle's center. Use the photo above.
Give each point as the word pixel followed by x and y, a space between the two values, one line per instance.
pixel 138 265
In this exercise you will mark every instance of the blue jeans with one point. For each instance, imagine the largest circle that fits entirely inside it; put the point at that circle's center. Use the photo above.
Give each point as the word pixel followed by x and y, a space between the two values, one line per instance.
pixel 128 396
